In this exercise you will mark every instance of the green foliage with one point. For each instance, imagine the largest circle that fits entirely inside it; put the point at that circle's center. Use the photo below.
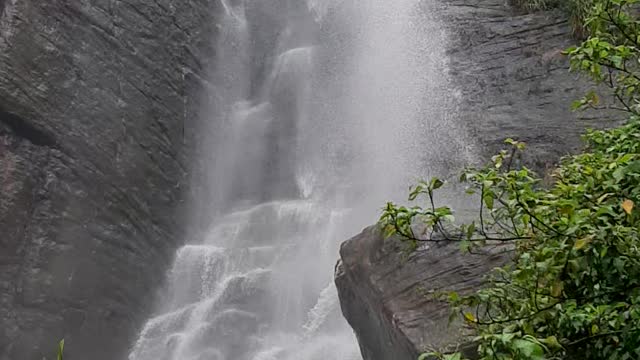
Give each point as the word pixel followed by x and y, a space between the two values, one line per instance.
pixel 572 290
pixel 579 11
pixel 610 56
pixel 576 9
pixel 456 356
pixel 60 350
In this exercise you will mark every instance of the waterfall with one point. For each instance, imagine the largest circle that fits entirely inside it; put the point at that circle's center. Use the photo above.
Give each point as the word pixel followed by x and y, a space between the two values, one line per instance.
pixel 322 111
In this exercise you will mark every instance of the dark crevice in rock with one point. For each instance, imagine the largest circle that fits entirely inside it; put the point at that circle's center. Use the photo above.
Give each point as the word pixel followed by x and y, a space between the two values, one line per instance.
pixel 23 129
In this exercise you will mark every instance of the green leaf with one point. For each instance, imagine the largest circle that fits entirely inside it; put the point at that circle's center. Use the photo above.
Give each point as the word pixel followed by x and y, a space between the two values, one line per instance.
pixel 60 349
pixel 465 246
pixel 603 252
pixel 529 349
pixel 581 243
pixel 603 198
pixel 577 105
pixel 471 228
pixel 456 356
pixel 626 158
pixel 488 200
pixel 415 192
pixel 436 184
pixel 616 60
pixel 552 342
pixel 470 317
pixel 389 231
pixel 448 218
pixel 556 289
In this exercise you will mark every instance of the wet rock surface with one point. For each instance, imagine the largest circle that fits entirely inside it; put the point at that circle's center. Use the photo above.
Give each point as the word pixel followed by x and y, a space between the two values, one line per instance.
pixel 97 108
pixel 387 296
pixel 514 81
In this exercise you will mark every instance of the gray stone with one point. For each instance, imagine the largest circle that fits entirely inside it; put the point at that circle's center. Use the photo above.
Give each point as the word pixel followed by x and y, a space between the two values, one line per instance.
pixel 97 111
pixel 387 297
pixel 514 81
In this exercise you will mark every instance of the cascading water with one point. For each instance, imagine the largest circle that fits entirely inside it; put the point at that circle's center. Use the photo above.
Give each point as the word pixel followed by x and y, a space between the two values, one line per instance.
pixel 323 111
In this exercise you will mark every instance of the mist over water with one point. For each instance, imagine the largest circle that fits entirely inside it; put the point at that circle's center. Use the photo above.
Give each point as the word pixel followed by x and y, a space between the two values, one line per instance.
pixel 322 112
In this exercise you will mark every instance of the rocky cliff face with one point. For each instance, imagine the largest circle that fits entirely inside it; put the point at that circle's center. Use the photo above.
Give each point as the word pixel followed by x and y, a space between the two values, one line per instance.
pixel 513 82
pixel 97 100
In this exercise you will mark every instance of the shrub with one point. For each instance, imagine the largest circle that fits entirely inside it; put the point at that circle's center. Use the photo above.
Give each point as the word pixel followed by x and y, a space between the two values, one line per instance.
pixel 573 288
pixel 576 9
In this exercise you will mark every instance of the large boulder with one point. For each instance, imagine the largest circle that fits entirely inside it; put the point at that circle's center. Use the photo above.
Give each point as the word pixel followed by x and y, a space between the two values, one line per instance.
pixel 97 102
pixel 387 294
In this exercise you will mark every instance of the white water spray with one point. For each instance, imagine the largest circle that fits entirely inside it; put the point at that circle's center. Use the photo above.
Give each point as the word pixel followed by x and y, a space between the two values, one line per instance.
pixel 324 111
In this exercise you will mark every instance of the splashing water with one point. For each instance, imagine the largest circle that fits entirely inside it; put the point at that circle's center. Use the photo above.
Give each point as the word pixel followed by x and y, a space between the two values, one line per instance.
pixel 323 111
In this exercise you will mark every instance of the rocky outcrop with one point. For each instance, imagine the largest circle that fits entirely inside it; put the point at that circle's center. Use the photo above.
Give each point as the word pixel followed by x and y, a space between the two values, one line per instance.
pixel 97 102
pixel 387 296
pixel 513 81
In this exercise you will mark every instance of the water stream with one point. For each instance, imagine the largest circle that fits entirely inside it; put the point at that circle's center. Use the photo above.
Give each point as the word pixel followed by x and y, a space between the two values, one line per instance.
pixel 323 111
